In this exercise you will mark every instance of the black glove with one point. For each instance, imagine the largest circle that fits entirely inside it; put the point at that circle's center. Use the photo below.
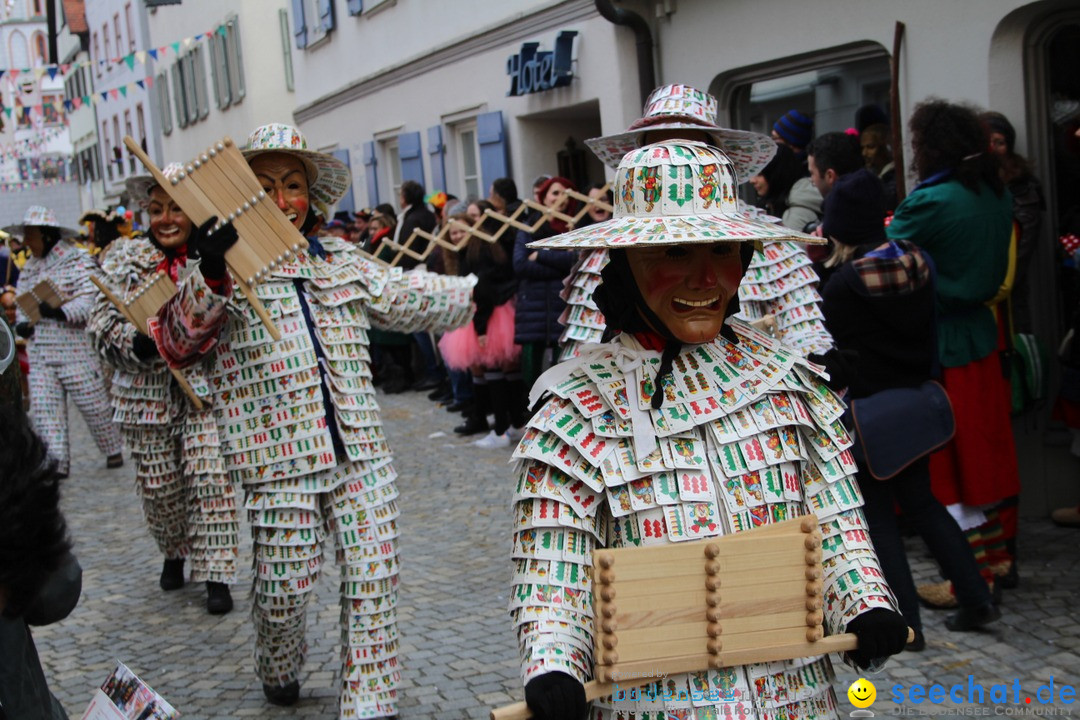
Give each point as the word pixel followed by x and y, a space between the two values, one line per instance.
pixel 24 329
pixel 881 633
pixel 556 696
pixel 144 347
pixel 48 311
pixel 840 364
pixel 212 246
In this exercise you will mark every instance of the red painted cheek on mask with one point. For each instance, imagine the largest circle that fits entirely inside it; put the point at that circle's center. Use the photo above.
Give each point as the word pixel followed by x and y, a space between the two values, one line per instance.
pixel 661 280
pixel 300 205
pixel 730 275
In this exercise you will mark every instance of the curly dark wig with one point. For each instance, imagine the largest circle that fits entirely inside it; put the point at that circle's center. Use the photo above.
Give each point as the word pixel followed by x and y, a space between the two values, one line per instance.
pixel 948 136
pixel 33 534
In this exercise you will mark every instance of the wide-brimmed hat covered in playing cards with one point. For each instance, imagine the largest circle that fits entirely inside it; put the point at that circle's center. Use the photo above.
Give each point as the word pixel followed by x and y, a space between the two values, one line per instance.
pixel 674 193
pixel 681 107
pixel 328 177
pixel 139 187
pixel 39 216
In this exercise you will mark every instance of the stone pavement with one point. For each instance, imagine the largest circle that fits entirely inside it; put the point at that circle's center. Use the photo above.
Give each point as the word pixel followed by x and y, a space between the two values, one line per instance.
pixel 458 649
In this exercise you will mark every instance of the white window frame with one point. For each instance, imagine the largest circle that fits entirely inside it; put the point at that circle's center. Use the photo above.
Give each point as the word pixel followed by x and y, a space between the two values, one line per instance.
pixel 286 49
pixel 461 131
pixel 391 155
pixel 316 33
pixel 161 85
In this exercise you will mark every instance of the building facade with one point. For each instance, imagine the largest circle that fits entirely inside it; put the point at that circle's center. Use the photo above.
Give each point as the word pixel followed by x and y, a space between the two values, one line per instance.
pixel 234 78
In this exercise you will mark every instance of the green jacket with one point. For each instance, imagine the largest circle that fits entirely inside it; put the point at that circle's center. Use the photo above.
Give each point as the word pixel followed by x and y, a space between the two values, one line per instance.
pixel 967 236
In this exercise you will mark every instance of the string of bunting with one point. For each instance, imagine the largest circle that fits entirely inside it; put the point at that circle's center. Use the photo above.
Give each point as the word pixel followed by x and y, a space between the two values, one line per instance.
pixel 516 221
pixel 29 146
pixel 139 56
pixel 30 185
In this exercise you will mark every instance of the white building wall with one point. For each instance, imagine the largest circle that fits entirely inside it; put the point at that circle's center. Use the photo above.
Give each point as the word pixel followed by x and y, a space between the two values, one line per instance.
pixel 267 98
pixel 100 16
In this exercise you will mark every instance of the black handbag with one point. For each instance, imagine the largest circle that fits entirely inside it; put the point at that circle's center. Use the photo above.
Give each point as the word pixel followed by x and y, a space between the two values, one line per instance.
pixel 893 428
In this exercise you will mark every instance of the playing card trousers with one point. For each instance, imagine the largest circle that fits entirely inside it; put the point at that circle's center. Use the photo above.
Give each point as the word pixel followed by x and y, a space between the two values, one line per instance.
pixel 290 524
pixel 50 385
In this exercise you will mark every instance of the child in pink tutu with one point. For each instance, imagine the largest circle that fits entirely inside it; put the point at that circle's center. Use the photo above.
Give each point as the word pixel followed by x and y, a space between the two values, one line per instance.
pixel 486 346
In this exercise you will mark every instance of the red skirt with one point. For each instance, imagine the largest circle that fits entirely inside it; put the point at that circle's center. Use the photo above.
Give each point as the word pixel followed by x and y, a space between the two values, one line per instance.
pixel 979 466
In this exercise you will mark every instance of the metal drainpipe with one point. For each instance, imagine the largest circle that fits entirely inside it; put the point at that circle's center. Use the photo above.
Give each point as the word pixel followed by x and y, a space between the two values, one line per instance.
pixel 619 16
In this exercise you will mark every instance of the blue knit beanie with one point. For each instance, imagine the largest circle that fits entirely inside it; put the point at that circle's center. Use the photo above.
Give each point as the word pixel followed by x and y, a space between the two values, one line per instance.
pixel 854 209
pixel 795 128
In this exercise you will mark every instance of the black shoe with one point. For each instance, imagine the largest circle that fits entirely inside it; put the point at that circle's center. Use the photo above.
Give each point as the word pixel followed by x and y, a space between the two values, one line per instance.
pixel 172 574
pixel 218 598
pixel 918 644
pixel 460 407
pixel 441 391
pixel 285 696
pixel 472 426
pixel 969 618
pixel 427 384
pixel 114 461
pixel 395 387
pixel 444 399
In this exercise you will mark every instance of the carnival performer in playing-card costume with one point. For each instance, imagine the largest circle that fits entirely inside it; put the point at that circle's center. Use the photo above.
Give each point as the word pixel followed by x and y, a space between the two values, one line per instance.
pixel 187 498
pixel 300 424
pixel 62 362
pixel 687 424
pixel 779 284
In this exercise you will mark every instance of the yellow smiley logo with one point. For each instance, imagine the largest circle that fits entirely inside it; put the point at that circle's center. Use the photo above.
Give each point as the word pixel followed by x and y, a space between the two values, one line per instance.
pixel 862 693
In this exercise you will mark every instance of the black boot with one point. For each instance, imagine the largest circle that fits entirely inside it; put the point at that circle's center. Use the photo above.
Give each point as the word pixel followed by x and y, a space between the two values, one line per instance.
pixel 172 574
pixel 218 598
pixel 969 618
pixel 476 419
pixel 284 696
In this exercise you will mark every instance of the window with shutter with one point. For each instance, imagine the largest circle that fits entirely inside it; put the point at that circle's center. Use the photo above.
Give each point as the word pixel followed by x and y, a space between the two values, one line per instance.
pixel 355 6
pixel 162 85
pixel 326 15
pixel 234 58
pixel 190 94
pixel 198 64
pixel 371 176
pixel 437 154
pixel 179 95
pixel 218 72
pixel 299 27
pixel 491 137
pixel 411 157
pixel 286 49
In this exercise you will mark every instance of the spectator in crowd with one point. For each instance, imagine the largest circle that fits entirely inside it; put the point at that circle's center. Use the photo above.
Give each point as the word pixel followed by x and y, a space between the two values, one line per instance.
pixel 785 191
pixel 40 580
pixel 540 276
pixel 486 346
pixel 504 196
pixel 595 213
pixel 874 143
pixel 868 115
pixel 391 357
pixel 794 129
pixel 961 216
pixel 537 184
pixel 335 228
pixel 416 216
pixel 1028 207
pixel 879 307
pixel 829 156
pixel 359 232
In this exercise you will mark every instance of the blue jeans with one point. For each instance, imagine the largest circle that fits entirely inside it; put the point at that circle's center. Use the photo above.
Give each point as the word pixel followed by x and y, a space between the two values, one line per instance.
pixel 427 353
pixel 461 385
pixel 911 490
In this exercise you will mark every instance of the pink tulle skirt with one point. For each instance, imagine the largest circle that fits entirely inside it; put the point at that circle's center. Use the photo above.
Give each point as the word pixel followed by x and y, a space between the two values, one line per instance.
pixel 461 350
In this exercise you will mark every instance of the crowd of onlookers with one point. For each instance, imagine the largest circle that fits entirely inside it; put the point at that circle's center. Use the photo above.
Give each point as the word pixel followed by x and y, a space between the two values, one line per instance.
pixel 483 370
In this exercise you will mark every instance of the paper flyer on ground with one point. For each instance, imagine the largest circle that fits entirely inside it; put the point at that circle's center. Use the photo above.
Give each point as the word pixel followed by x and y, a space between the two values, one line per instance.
pixel 123 696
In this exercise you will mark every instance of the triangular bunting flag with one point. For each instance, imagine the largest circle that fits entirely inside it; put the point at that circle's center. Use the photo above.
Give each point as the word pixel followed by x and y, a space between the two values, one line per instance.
pixel 141 84
pixel 77 103
pixel 123 90
pixel 86 99
pixel 13 73
pixel 95 97
pixel 52 72
pixel 152 53
pixel 175 48
pixel 149 83
pixel 141 57
pixel 222 30
pixel 187 42
pixel 7 111
pixel 64 68
pixel 38 72
pixel 115 93
pixel 2 73
pixel 129 60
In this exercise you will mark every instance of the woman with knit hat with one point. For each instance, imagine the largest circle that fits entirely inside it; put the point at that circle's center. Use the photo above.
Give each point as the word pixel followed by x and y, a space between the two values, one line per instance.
pixel 62 363
pixel 682 389
pixel 300 424
pixel 188 500
pixel 879 307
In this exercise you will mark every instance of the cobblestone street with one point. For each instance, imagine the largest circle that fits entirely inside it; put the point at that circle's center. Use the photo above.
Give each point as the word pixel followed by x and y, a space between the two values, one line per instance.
pixel 458 649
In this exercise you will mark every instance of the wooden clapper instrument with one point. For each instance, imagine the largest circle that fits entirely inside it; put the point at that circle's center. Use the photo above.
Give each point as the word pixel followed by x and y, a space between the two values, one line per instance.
pixel 220 183
pixel 752 597
pixel 43 292
pixel 143 303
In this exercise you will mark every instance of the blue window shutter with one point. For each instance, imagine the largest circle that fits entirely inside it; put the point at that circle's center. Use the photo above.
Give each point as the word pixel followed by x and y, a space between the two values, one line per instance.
pixel 438 154
pixel 355 6
pixel 412 160
pixel 326 14
pixel 299 27
pixel 370 174
pixel 491 137
pixel 347 202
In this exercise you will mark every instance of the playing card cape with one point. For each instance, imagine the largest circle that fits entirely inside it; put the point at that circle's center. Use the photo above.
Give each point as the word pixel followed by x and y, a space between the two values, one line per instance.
pixel 747 435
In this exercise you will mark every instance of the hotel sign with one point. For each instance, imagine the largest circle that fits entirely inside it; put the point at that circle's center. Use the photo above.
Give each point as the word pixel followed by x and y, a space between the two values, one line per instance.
pixel 533 70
